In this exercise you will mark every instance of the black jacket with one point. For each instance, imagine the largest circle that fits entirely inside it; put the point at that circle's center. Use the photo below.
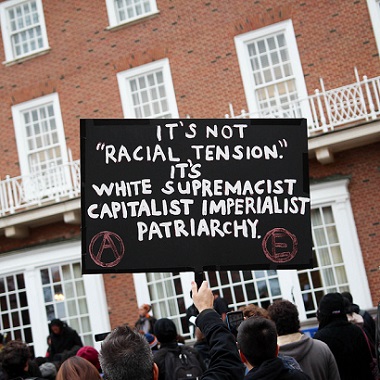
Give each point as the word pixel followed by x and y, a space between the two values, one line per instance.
pixel 274 369
pixel 225 363
pixel 65 344
pixel 349 347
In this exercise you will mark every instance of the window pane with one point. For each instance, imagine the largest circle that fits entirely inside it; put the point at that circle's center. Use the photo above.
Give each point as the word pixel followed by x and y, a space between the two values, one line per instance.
pixel 332 235
pixel 48 295
pixel 274 287
pixel 328 215
pixel 72 308
pixel 69 290
pixel 336 254
pixel 316 279
pixel 66 272
pixel 319 235
pixel 55 275
pixel 50 314
pixel 61 312
pixel 324 257
pixel 11 283
pixel 303 279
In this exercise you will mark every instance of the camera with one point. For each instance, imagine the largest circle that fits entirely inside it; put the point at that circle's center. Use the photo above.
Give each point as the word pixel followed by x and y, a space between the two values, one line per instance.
pixel 233 320
pixel 100 337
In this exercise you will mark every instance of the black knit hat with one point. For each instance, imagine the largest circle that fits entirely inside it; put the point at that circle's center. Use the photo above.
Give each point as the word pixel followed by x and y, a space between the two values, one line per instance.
pixel 56 322
pixel 165 330
pixel 332 304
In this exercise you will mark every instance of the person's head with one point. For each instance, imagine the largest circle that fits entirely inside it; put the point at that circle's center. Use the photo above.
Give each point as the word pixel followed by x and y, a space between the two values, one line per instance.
pixel 56 326
pixel 48 370
pixel 348 295
pixel 165 330
pixel 152 340
pixel 77 368
pixel 14 358
pixel 91 354
pixel 126 355
pixel 253 310
pixel 331 307
pixel 285 315
pixel 144 310
pixel 257 340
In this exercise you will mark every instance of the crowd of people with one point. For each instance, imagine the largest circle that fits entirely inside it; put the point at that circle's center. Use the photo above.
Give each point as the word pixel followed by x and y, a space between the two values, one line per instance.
pixel 269 344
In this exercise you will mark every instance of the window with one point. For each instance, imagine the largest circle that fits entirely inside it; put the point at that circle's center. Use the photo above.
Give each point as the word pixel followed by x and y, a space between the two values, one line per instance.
pixel 125 11
pixel 147 91
pixel 23 28
pixel 14 309
pixel 374 12
pixel 65 298
pixel 41 145
pixel 272 72
pixel 42 283
pixel 330 274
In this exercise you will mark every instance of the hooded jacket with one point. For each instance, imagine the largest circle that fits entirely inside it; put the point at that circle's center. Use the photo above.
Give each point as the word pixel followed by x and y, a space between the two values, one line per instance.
pixel 274 369
pixel 349 347
pixel 65 344
pixel 314 356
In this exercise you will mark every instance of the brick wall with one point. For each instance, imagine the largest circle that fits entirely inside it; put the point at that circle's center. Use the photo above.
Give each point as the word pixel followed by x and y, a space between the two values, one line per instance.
pixel 199 41
pixel 121 299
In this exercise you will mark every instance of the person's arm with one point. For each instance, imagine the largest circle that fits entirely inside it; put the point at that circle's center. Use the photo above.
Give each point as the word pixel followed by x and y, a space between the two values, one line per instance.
pixel 225 363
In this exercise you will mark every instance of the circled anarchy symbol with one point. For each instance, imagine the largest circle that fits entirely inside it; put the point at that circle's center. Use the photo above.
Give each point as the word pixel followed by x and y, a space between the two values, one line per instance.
pixel 103 243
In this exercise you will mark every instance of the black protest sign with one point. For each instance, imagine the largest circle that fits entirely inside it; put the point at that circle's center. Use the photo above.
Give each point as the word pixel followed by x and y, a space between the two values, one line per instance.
pixel 194 195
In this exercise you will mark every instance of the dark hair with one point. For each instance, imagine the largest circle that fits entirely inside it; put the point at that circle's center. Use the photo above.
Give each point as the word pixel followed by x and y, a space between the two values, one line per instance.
pixel 14 357
pixel 125 355
pixel 331 308
pixel 165 330
pixel 257 340
pixel 285 315
pixel 57 322
pixel 348 296
pixel 77 368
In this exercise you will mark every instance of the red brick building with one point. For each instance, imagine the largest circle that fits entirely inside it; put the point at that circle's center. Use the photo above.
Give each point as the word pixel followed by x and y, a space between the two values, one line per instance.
pixel 63 61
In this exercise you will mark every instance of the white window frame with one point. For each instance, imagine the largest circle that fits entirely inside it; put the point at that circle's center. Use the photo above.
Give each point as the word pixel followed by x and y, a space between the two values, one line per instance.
pixel 113 19
pixel 241 43
pixel 5 30
pixel 18 121
pixel 374 12
pixel 125 94
pixel 29 262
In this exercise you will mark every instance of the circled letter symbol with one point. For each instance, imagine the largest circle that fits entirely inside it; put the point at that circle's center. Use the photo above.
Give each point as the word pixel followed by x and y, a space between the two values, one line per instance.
pixel 280 245
pixel 106 249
